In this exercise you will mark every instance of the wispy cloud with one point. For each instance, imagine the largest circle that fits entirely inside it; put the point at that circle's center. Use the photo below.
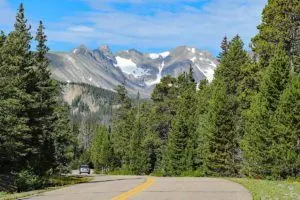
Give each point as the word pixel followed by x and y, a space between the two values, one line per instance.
pixel 155 24
pixel 81 29
pixel 202 27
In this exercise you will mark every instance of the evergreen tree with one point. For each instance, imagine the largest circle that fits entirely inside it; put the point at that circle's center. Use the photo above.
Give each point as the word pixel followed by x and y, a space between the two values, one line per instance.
pixel 122 126
pixel 164 109
pixel 101 152
pixel 219 134
pixel 257 142
pixel 137 158
pixel 219 144
pixel 45 92
pixel 180 152
pixel 276 27
pixel 15 71
pixel 230 65
pixel 204 95
pixel 224 48
pixel 285 133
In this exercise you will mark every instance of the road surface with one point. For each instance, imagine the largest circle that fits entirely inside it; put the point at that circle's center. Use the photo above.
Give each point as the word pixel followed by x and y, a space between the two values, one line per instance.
pixel 149 188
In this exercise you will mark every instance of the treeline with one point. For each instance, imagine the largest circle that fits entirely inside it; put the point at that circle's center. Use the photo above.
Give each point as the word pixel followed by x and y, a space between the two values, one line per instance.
pixel 244 123
pixel 35 135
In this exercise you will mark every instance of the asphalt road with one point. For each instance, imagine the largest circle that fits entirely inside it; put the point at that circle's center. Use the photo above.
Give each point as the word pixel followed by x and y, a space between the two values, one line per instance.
pixel 153 188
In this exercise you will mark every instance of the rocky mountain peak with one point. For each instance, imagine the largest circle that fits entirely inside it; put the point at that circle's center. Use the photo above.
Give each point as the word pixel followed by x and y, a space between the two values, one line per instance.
pixel 105 49
pixel 81 49
pixel 141 71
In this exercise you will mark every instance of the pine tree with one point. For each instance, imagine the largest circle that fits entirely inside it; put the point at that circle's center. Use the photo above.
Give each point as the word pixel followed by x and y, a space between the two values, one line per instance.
pixel 45 92
pixel 122 126
pixel 180 152
pixel 224 48
pixel 101 152
pixel 137 158
pixel 175 152
pixel 276 27
pixel 230 65
pixel 257 143
pixel 204 95
pixel 285 132
pixel 218 128
pixel 219 145
pixel 164 98
pixel 15 71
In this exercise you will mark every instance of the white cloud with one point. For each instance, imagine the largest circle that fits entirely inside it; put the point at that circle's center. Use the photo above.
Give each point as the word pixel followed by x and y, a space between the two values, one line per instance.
pixel 203 28
pixel 164 28
pixel 82 29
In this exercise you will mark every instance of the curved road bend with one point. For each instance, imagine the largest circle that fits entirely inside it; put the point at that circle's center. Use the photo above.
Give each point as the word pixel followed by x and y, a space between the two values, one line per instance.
pixel 143 188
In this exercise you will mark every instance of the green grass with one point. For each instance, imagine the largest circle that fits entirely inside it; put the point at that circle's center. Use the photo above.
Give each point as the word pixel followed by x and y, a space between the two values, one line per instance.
pixel 69 180
pixel 56 183
pixel 271 190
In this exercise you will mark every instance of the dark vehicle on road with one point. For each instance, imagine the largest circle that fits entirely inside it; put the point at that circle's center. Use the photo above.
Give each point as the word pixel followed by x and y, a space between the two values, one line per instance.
pixel 84 169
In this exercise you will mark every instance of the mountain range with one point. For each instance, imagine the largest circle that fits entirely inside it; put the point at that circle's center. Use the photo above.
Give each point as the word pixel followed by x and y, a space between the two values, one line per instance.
pixel 138 71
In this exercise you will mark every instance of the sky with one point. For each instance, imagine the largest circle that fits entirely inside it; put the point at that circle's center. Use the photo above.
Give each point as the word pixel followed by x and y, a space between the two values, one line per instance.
pixel 145 25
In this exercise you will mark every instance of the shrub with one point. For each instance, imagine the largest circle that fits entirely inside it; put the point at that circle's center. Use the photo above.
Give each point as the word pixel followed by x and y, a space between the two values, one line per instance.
pixel 26 180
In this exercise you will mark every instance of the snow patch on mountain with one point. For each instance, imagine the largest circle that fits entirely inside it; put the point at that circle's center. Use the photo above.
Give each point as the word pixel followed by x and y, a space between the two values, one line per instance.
pixel 126 65
pixel 75 51
pixel 165 54
pixel 158 76
pixel 129 67
pixel 209 72
pixel 157 55
pixel 154 56
pixel 194 59
pixel 193 50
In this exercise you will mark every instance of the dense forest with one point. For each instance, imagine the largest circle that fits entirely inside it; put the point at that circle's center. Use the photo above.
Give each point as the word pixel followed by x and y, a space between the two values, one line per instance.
pixel 244 123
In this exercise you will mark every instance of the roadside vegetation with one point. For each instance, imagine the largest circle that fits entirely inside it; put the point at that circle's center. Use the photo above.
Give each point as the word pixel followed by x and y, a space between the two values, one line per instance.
pixel 52 183
pixel 266 189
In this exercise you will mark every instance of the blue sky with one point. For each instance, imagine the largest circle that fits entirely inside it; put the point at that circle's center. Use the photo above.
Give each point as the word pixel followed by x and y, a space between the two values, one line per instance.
pixel 146 25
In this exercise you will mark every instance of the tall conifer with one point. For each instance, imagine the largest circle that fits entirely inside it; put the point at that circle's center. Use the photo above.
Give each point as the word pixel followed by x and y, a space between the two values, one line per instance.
pixel 257 143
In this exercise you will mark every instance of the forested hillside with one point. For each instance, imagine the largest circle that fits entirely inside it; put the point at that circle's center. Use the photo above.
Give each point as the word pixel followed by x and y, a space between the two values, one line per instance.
pixel 244 123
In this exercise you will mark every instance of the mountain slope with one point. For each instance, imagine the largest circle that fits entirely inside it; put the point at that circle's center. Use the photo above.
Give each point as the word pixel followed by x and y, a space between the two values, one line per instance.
pixel 139 71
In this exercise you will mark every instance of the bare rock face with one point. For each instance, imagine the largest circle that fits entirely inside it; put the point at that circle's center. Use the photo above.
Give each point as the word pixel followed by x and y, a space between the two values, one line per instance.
pixel 139 71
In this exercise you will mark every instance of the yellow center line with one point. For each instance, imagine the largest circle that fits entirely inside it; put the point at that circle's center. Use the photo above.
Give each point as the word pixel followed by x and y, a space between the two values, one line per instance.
pixel 135 190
